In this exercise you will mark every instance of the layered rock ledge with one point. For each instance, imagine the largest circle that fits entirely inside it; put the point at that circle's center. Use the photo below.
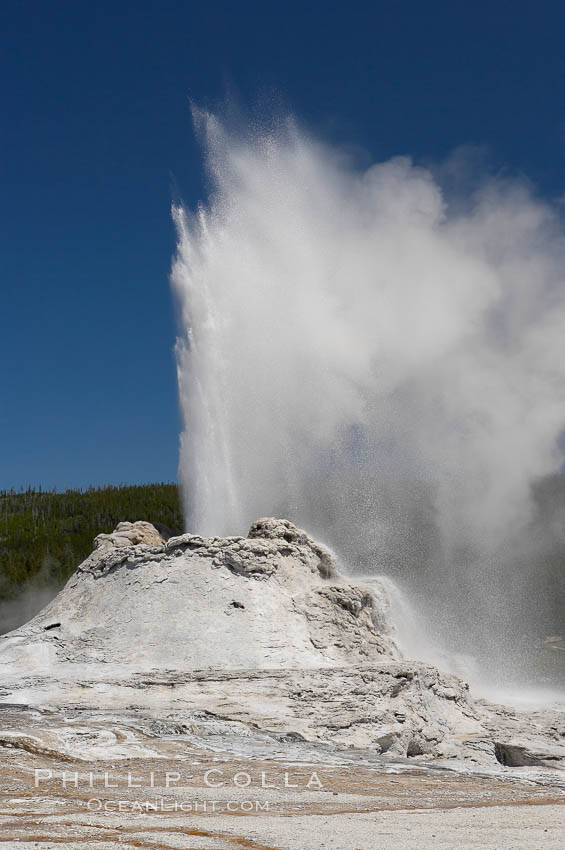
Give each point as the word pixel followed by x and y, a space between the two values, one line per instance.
pixel 263 631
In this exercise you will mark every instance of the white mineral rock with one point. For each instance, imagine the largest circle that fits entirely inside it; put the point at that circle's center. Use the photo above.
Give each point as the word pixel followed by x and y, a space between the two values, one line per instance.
pixel 262 630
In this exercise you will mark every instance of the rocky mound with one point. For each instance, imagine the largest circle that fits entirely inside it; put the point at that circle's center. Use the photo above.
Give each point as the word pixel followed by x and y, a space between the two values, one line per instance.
pixel 261 630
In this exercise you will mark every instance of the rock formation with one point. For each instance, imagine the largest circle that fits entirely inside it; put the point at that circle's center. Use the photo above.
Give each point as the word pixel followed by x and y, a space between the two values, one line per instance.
pixel 262 631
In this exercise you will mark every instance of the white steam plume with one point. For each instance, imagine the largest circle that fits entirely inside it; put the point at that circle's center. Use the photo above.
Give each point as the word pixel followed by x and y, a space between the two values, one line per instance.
pixel 387 373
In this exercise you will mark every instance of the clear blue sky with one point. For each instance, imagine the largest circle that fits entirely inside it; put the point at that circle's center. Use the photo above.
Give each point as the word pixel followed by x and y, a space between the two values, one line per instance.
pixel 96 138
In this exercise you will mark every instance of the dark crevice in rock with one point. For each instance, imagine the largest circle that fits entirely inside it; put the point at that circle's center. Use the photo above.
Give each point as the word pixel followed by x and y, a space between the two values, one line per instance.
pixel 514 755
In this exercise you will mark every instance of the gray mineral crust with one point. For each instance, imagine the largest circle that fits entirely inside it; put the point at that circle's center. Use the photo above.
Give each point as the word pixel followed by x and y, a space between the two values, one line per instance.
pixel 260 631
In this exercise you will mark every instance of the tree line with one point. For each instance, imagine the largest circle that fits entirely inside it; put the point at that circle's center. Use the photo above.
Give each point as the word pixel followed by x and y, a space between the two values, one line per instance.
pixel 44 535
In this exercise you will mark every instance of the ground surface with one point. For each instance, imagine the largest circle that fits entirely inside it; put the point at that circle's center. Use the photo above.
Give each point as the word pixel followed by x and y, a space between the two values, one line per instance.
pixel 84 780
pixel 241 693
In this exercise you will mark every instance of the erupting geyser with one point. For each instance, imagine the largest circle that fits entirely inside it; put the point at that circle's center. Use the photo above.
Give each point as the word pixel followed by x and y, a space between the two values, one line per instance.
pixel 383 371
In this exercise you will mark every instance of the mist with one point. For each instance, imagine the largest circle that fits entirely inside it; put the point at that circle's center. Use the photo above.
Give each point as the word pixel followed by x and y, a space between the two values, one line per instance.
pixel 23 602
pixel 381 361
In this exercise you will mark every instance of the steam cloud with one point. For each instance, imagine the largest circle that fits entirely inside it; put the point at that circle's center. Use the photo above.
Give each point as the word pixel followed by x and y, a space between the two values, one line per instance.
pixel 380 366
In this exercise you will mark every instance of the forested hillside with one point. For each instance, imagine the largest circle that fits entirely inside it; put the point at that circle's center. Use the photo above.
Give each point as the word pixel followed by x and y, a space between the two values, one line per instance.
pixel 45 535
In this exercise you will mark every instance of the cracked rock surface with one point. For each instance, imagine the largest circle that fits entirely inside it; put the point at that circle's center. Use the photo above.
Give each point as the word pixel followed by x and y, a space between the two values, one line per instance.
pixel 262 632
